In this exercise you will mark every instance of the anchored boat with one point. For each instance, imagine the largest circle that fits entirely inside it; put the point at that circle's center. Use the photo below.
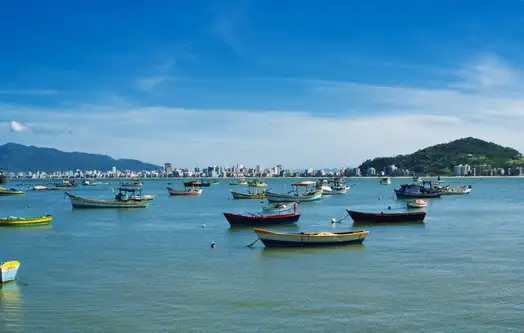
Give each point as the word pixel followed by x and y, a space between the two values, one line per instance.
pixel 196 183
pixel 385 180
pixel 426 190
pixel 10 191
pixel 25 221
pixel 186 191
pixel 256 194
pixel 277 207
pixel 122 200
pixel 241 181
pixel 310 239
pixel 294 195
pixel 363 217
pixel 261 219
pixel 136 184
pixel 418 203
pixel 8 271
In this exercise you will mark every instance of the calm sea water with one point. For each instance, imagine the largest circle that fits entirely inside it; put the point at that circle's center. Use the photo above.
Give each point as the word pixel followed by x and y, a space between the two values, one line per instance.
pixel 153 270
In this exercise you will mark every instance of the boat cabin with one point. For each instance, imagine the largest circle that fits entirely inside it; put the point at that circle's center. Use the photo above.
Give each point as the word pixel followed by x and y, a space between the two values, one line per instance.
pixel 126 194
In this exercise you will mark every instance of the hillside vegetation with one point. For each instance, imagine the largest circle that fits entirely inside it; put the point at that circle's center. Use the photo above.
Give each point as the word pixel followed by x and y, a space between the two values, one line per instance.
pixel 440 159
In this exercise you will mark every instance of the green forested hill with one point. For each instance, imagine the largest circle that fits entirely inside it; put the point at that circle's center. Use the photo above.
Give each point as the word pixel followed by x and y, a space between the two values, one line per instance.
pixel 440 159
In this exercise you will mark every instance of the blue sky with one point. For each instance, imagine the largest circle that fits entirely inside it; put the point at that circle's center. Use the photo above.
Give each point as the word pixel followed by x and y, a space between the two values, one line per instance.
pixel 299 83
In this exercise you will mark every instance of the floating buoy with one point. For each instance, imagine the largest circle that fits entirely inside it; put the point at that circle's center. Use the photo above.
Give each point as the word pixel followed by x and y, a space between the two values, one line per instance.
pixel 333 221
pixel 203 225
pixel 212 245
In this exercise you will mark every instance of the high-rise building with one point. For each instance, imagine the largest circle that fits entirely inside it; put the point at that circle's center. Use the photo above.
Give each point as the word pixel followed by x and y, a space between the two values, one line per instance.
pixel 168 169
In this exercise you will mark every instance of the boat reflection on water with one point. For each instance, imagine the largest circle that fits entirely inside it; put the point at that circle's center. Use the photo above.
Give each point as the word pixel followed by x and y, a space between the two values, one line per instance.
pixel 286 252
pixel 11 314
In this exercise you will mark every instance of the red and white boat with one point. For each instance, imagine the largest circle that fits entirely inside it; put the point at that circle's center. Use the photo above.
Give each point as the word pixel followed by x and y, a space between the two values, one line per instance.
pixel 185 191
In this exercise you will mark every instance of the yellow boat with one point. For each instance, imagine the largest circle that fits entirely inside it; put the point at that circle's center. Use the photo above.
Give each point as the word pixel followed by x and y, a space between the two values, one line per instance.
pixel 28 221
pixel 249 195
pixel 10 191
pixel 8 271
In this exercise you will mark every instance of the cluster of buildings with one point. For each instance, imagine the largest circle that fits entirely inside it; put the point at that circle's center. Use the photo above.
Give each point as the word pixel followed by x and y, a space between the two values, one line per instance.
pixel 486 170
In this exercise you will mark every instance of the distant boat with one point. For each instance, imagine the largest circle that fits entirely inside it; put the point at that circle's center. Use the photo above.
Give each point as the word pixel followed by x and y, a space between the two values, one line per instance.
pixel 454 191
pixel 385 180
pixel 133 184
pixel 261 219
pixel 66 184
pixel 417 191
pixel 277 207
pixel 215 182
pixel 256 183
pixel 362 217
pixel 8 271
pixel 26 221
pixel 2 177
pixel 418 203
pixel 93 183
pixel 196 183
pixel 10 191
pixel 242 181
pixel 256 194
pixel 294 195
pixel 310 239
pixel 186 191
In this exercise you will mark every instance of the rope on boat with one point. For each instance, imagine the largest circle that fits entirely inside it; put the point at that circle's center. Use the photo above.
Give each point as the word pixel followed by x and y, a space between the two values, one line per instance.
pixel 342 219
pixel 250 245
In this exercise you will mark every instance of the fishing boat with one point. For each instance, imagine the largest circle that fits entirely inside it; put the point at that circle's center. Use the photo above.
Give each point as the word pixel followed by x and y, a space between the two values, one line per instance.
pixel 418 203
pixel 10 191
pixel 196 183
pixel 241 181
pixel 310 239
pixel 250 194
pixel 8 271
pixel 122 200
pixel 90 183
pixel 256 183
pixel 322 184
pixel 294 195
pixel 277 207
pixel 417 179
pixel 426 190
pixel 385 180
pixel 236 220
pixel 186 191
pixel 2 177
pixel 66 184
pixel 363 217
pixel 144 197
pixel 26 221
pixel 215 182
pixel 133 184
pixel 447 190
pixel 44 188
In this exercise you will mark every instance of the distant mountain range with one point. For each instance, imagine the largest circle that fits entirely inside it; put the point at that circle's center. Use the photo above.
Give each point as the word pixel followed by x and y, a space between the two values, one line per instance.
pixel 440 159
pixel 19 158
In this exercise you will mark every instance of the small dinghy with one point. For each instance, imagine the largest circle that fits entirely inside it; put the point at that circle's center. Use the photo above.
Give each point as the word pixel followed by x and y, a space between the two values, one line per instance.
pixel 310 239
pixel 277 207
pixel 27 221
pixel 419 203
pixel 363 217
pixel 10 191
pixel 8 271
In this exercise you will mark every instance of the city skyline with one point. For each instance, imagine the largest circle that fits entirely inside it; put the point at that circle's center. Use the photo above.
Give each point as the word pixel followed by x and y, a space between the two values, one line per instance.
pixel 255 81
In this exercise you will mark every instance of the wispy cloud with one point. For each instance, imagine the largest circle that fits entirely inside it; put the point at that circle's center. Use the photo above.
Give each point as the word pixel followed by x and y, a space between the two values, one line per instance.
pixel 371 120
pixel 148 83
pixel 28 92
pixel 228 22
pixel 46 129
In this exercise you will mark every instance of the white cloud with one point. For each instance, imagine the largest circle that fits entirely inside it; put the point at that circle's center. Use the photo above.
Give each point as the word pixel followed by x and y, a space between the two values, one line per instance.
pixel 18 127
pixel 148 83
pixel 379 121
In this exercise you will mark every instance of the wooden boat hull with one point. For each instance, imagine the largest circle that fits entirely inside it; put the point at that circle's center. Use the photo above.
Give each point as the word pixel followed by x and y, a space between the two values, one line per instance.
pixel 239 195
pixel 258 220
pixel 278 197
pixel 277 239
pixel 11 192
pixel 420 195
pixel 362 217
pixel 193 192
pixel 13 221
pixel 8 271
pixel 78 202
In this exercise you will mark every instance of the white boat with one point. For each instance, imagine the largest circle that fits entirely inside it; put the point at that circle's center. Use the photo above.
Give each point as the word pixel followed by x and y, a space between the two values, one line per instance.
pixel 277 207
pixel 129 202
pixel 324 186
pixel 309 239
pixel 418 203
pixel 294 195
pixel 385 180
pixel 185 191
pixel 453 191
pixel 8 271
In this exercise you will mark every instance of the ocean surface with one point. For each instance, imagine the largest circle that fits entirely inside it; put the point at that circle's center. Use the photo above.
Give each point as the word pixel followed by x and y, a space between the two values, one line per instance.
pixel 153 270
